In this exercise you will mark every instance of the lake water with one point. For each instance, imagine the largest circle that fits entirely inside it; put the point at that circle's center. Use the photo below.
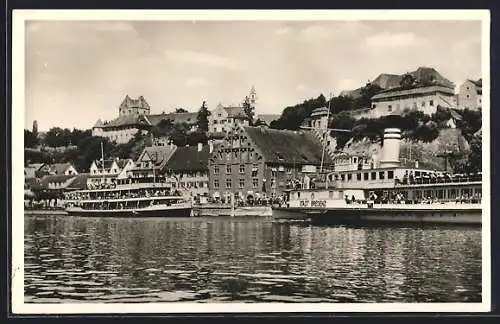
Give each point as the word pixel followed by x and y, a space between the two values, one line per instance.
pixel 76 259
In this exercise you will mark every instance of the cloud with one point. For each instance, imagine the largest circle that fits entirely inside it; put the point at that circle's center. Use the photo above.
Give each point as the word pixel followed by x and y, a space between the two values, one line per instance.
pixel 391 40
pixel 315 33
pixel 196 82
pixel 283 31
pixel 340 30
pixel 300 87
pixel 206 59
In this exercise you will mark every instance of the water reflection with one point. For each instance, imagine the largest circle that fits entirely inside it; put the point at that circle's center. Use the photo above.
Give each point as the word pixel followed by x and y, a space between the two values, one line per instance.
pixel 71 259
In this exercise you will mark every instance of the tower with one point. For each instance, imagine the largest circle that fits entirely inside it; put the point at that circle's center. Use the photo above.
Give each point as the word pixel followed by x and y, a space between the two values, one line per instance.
pixel 35 128
pixel 253 97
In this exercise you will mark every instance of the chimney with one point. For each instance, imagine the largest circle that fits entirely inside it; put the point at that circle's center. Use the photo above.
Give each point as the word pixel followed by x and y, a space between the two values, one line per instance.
pixel 200 147
pixel 211 146
pixel 390 152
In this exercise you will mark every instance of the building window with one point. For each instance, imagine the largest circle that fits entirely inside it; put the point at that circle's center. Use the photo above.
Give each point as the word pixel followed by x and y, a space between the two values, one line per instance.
pixel 254 170
pixel 255 182
pixel 381 175
pixel 374 175
pixel 228 183
pixel 216 184
pixel 374 106
pixel 349 177
pixel 216 170
pixel 358 176
pixel 389 108
pixel 390 174
pixel 219 115
pixel 228 156
pixel 242 183
pixel 431 102
pixel 242 168
pixel 215 121
pixel 365 176
pixel 467 96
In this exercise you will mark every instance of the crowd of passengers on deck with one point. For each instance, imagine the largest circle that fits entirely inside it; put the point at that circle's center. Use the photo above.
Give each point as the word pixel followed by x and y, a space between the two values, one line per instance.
pixel 144 193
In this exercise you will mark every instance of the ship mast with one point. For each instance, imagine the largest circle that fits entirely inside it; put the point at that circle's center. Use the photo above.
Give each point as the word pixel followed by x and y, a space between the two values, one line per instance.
pixel 326 130
pixel 102 161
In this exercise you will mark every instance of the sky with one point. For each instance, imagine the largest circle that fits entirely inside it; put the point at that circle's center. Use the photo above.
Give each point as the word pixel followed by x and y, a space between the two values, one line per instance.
pixel 80 71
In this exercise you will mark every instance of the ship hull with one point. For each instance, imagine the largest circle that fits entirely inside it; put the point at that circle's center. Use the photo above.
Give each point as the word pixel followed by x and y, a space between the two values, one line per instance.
pixel 465 216
pixel 170 212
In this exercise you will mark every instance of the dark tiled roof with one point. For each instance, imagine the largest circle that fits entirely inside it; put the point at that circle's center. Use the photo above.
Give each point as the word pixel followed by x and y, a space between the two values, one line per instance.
pixel 284 146
pixel 128 120
pixel 79 182
pixel 387 81
pixel 134 103
pixel 55 179
pixel 59 168
pixel 175 118
pixel 478 83
pixel 122 162
pixel 33 183
pixel 188 158
pixel 235 112
pixel 420 89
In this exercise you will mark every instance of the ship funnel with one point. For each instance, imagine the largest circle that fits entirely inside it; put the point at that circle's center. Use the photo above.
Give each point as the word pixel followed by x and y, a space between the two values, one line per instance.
pixel 390 153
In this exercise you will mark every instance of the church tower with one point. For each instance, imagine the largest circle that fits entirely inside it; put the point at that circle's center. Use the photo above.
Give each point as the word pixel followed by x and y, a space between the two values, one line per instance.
pixel 253 97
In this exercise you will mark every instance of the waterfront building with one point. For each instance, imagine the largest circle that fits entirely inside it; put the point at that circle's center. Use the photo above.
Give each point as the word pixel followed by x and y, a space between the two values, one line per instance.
pixel 150 165
pixel 258 162
pixel 470 95
pixel 56 169
pixel 108 171
pixel 187 170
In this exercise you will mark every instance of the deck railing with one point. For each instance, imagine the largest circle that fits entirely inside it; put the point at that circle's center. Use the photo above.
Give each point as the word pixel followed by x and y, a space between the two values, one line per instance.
pixel 438 180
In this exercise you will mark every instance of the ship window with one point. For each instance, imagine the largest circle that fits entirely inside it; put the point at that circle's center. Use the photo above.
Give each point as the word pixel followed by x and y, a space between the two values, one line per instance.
pixel 390 174
pixel 431 102
pixel 298 195
pixel 342 177
pixel 358 176
pixel 381 175
pixel 374 176
pixel 354 160
pixel 365 176
pixel 417 173
pixel 349 176
pixel 330 194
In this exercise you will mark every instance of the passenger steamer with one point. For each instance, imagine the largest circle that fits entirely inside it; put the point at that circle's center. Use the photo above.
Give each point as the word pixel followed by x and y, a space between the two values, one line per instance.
pixel 131 197
pixel 387 193
pixel 141 199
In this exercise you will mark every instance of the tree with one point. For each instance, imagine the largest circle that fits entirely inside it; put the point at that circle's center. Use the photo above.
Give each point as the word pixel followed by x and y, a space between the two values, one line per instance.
pixel 202 118
pixel 248 109
pixel 163 128
pixel 180 110
pixel 476 154
pixel 30 140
